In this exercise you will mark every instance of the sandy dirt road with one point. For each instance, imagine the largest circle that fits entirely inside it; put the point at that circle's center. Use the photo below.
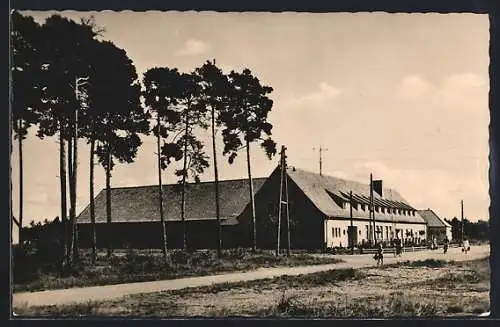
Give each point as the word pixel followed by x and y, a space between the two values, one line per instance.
pixel 99 293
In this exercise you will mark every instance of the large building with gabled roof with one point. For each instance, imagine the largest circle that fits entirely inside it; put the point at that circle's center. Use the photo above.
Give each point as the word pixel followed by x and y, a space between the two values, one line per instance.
pixel 320 212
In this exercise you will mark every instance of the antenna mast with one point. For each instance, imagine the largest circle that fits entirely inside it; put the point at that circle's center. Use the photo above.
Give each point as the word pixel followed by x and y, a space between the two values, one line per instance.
pixel 283 200
pixel 321 149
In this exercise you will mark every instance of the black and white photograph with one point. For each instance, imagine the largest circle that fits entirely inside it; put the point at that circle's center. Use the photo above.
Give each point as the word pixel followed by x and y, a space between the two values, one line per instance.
pixel 169 164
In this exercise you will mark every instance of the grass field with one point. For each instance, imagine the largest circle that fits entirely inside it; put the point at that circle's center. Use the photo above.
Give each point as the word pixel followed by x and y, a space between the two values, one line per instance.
pixel 430 288
pixel 148 265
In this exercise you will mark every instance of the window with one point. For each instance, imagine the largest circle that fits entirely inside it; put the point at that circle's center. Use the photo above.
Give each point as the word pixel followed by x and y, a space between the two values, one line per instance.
pixel 377 208
pixel 336 232
pixel 383 210
pixel 344 232
pixel 399 211
pixel 337 199
pixel 362 207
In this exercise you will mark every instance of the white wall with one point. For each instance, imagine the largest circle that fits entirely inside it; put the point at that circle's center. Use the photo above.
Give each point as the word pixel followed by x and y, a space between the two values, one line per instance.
pixel 336 231
pixel 448 233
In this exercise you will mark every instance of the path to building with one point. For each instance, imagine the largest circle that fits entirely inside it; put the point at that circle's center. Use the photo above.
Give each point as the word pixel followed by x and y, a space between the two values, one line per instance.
pixel 98 293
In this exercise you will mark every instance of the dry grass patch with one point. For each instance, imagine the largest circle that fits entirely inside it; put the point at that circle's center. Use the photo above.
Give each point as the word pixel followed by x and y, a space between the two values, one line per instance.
pixel 141 266
pixel 383 292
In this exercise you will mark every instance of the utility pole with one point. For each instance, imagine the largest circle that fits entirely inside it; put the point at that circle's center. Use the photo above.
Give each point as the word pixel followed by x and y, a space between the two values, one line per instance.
pixel 462 220
pixel 217 191
pixel 321 149
pixel 287 205
pixel 283 178
pixel 372 209
pixel 351 234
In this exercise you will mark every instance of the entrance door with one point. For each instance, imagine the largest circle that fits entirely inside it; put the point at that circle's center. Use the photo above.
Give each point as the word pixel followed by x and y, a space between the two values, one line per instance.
pixel 352 232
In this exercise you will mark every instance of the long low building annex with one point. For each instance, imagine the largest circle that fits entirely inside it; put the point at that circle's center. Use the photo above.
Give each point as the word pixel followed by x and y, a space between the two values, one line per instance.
pixel 319 211
pixel 135 215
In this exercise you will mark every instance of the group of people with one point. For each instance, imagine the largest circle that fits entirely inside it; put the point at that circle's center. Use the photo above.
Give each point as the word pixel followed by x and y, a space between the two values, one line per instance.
pixel 379 255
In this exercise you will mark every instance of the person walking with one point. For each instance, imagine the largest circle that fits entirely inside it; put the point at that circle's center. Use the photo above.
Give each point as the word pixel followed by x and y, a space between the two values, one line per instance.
pixel 445 245
pixel 466 246
pixel 379 256
pixel 398 248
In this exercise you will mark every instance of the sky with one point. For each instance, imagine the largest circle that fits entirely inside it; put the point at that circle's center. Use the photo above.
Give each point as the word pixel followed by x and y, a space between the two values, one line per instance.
pixel 402 96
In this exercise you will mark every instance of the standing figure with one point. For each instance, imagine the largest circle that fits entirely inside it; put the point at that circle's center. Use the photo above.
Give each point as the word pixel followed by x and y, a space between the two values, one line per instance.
pixel 445 245
pixel 466 246
pixel 434 243
pixel 379 256
pixel 398 247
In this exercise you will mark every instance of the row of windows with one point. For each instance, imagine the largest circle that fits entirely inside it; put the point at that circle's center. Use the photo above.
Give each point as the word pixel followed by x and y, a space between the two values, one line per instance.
pixel 384 232
pixel 336 232
pixel 403 212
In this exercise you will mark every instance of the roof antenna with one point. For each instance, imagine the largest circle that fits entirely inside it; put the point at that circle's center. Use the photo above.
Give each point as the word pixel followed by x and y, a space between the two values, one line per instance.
pixel 321 149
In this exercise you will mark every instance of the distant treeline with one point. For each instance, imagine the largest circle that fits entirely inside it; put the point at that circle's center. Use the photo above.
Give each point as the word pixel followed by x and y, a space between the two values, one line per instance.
pixel 474 231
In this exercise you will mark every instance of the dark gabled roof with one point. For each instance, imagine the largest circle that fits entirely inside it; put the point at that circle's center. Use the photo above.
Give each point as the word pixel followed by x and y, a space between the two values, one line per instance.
pixel 432 219
pixel 323 189
pixel 141 204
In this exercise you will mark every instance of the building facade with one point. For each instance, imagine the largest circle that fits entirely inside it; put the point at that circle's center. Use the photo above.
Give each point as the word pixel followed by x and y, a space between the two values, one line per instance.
pixel 319 213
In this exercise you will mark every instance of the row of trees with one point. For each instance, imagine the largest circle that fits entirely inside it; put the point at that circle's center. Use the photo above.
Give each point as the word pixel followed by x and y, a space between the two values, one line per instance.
pixel 73 85
pixel 473 230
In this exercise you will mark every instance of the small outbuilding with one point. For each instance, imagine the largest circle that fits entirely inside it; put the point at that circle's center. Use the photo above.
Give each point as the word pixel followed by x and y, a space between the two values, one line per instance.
pixel 436 227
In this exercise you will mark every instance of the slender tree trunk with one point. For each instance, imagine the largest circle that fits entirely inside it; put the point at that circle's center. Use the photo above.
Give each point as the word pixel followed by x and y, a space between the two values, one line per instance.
pixel 160 196
pixel 21 183
pixel 108 201
pixel 216 175
pixel 62 177
pixel 75 179
pixel 92 203
pixel 184 175
pixel 69 231
pixel 252 201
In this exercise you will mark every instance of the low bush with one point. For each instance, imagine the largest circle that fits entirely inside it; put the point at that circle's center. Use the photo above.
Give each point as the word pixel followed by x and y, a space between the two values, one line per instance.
pixel 31 274
pixel 179 257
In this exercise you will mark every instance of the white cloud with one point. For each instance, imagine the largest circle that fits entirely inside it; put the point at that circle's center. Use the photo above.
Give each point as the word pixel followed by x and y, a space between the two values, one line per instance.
pixel 461 90
pixel 193 47
pixel 325 93
pixel 414 86
pixel 465 80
